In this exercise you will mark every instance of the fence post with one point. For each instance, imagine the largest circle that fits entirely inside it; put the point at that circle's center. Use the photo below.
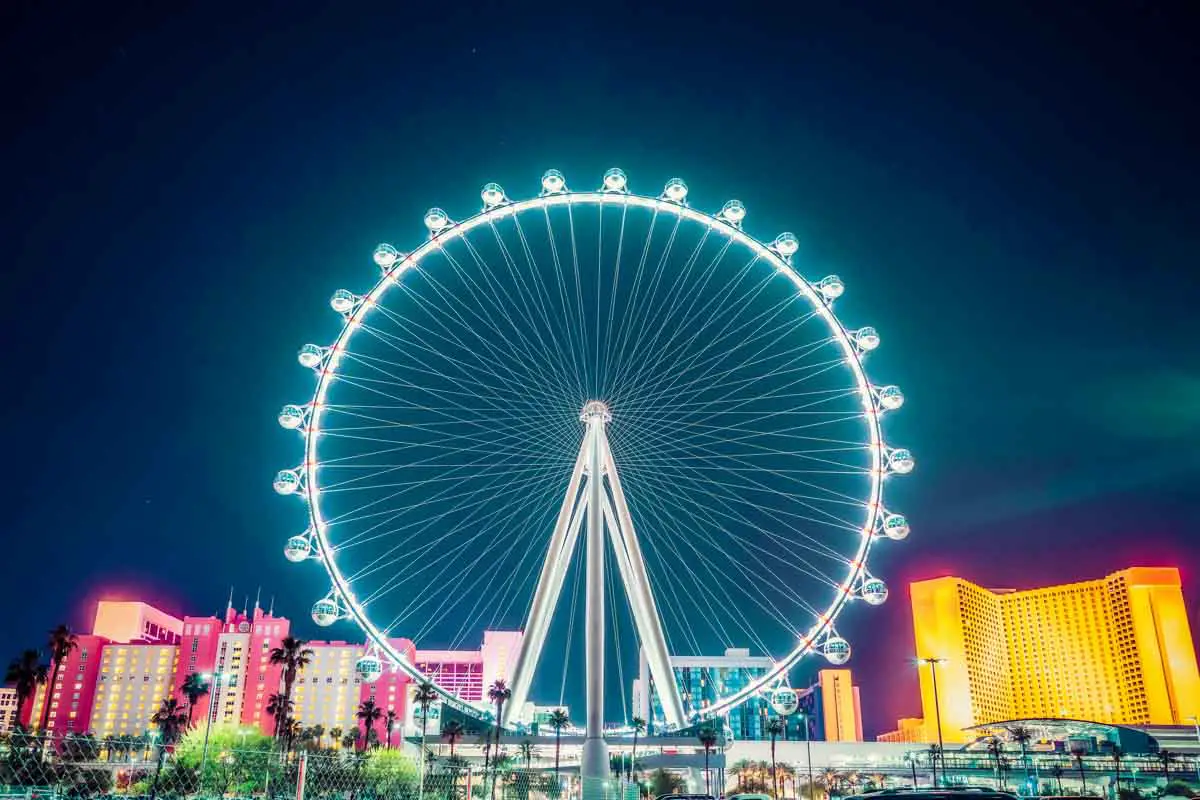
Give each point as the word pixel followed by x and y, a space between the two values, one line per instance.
pixel 301 774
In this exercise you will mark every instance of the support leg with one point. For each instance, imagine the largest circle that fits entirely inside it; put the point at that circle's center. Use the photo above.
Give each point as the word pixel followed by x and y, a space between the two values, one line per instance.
pixel 549 587
pixel 594 767
pixel 641 597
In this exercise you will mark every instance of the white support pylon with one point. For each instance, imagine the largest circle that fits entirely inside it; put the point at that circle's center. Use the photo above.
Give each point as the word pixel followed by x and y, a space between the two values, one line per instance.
pixel 595 463
pixel 593 763
pixel 554 570
pixel 641 601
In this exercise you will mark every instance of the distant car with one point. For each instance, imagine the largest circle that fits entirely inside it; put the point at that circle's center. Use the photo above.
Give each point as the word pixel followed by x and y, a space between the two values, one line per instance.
pixel 941 793
pixel 749 796
pixel 685 797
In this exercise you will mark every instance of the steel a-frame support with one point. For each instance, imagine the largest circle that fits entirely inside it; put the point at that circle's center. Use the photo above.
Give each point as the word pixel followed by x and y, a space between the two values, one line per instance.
pixel 602 507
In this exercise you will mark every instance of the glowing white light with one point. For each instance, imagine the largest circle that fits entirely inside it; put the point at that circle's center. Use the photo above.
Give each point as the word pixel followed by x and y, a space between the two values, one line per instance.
pixel 287 481
pixel 325 612
pixel 874 591
pixel 553 182
pixel 369 668
pixel 343 301
pixel 310 356
pixel 291 417
pixel 786 244
pixel 297 548
pixel 890 397
pixel 836 650
pixel 385 256
pixel 675 190
pixel 831 287
pixel 492 195
pixel 901 461
pixel 733 212
pixel 436 220
pixel 615 180
pixel 866 338
pixel 895 527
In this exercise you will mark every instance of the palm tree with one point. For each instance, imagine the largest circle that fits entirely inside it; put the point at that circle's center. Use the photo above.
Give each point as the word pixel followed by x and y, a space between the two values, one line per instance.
pixel 831 779
pixel 560 720
pixel 194 687
pixel 708 739
pixel 498 693
pixel 335 735
pixel 25 674
pixel 127 742
pixel 170 721
pixel 487 749
pixel 1117 754
pixel 292 733
pixel 351 738
pixel 389 722
pixel 775 726
pixel 1166 758
pixel 1004 767
pixel 995 748
pixel 1057 772
pixel 638 724
pixel 424 697
pixel 62 641
pixel 525 748
pixel 452 731
pixel 1078 752
pixel 280 707
pixel 1022 736
pixel 293 656
pixel 369 713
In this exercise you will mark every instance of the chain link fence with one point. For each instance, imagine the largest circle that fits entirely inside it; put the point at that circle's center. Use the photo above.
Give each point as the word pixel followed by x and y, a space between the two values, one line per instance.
pixel 32 769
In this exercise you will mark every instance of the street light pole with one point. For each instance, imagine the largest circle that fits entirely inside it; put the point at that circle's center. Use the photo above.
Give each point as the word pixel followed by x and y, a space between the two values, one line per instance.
pixel 937 709
pixel 215 684
pixel 1196 722
pixel 808 753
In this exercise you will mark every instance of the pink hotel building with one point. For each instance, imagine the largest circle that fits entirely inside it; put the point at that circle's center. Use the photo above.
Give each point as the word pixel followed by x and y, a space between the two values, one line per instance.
pixel 135 656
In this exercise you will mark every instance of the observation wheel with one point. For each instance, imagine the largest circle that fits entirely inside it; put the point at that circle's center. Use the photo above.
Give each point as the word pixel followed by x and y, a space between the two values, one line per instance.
pixel 609 420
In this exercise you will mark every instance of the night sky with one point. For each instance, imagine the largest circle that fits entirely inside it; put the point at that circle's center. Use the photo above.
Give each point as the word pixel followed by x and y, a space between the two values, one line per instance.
pixel 1011 191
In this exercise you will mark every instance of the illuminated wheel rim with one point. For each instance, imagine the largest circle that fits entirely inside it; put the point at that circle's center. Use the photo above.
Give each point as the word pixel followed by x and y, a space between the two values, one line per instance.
pixel 873 402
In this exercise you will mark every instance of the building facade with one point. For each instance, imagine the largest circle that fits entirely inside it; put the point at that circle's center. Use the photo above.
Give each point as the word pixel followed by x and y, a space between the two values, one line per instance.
pixel 132 621
pixel 329 691
pixel 909 730
pixel 832 707
pixel 701 681
pixel 233 653
pixel 134 679
pixel 112 684
pixel 468 673
pixel 9 713
pixel 73 691
pixel 1116 650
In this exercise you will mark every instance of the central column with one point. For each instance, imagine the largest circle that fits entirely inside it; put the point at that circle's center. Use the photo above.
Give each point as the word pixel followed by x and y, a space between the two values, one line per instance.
pixel 594 766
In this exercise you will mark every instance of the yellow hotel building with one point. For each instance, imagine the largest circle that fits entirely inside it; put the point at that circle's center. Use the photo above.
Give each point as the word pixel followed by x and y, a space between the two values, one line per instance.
pixel 1115 650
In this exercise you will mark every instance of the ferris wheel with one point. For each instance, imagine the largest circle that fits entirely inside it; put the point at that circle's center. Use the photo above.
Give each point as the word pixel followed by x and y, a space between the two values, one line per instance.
pixel 585 389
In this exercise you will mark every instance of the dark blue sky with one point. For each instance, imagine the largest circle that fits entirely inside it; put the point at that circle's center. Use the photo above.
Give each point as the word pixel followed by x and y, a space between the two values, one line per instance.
pixel 1011 190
